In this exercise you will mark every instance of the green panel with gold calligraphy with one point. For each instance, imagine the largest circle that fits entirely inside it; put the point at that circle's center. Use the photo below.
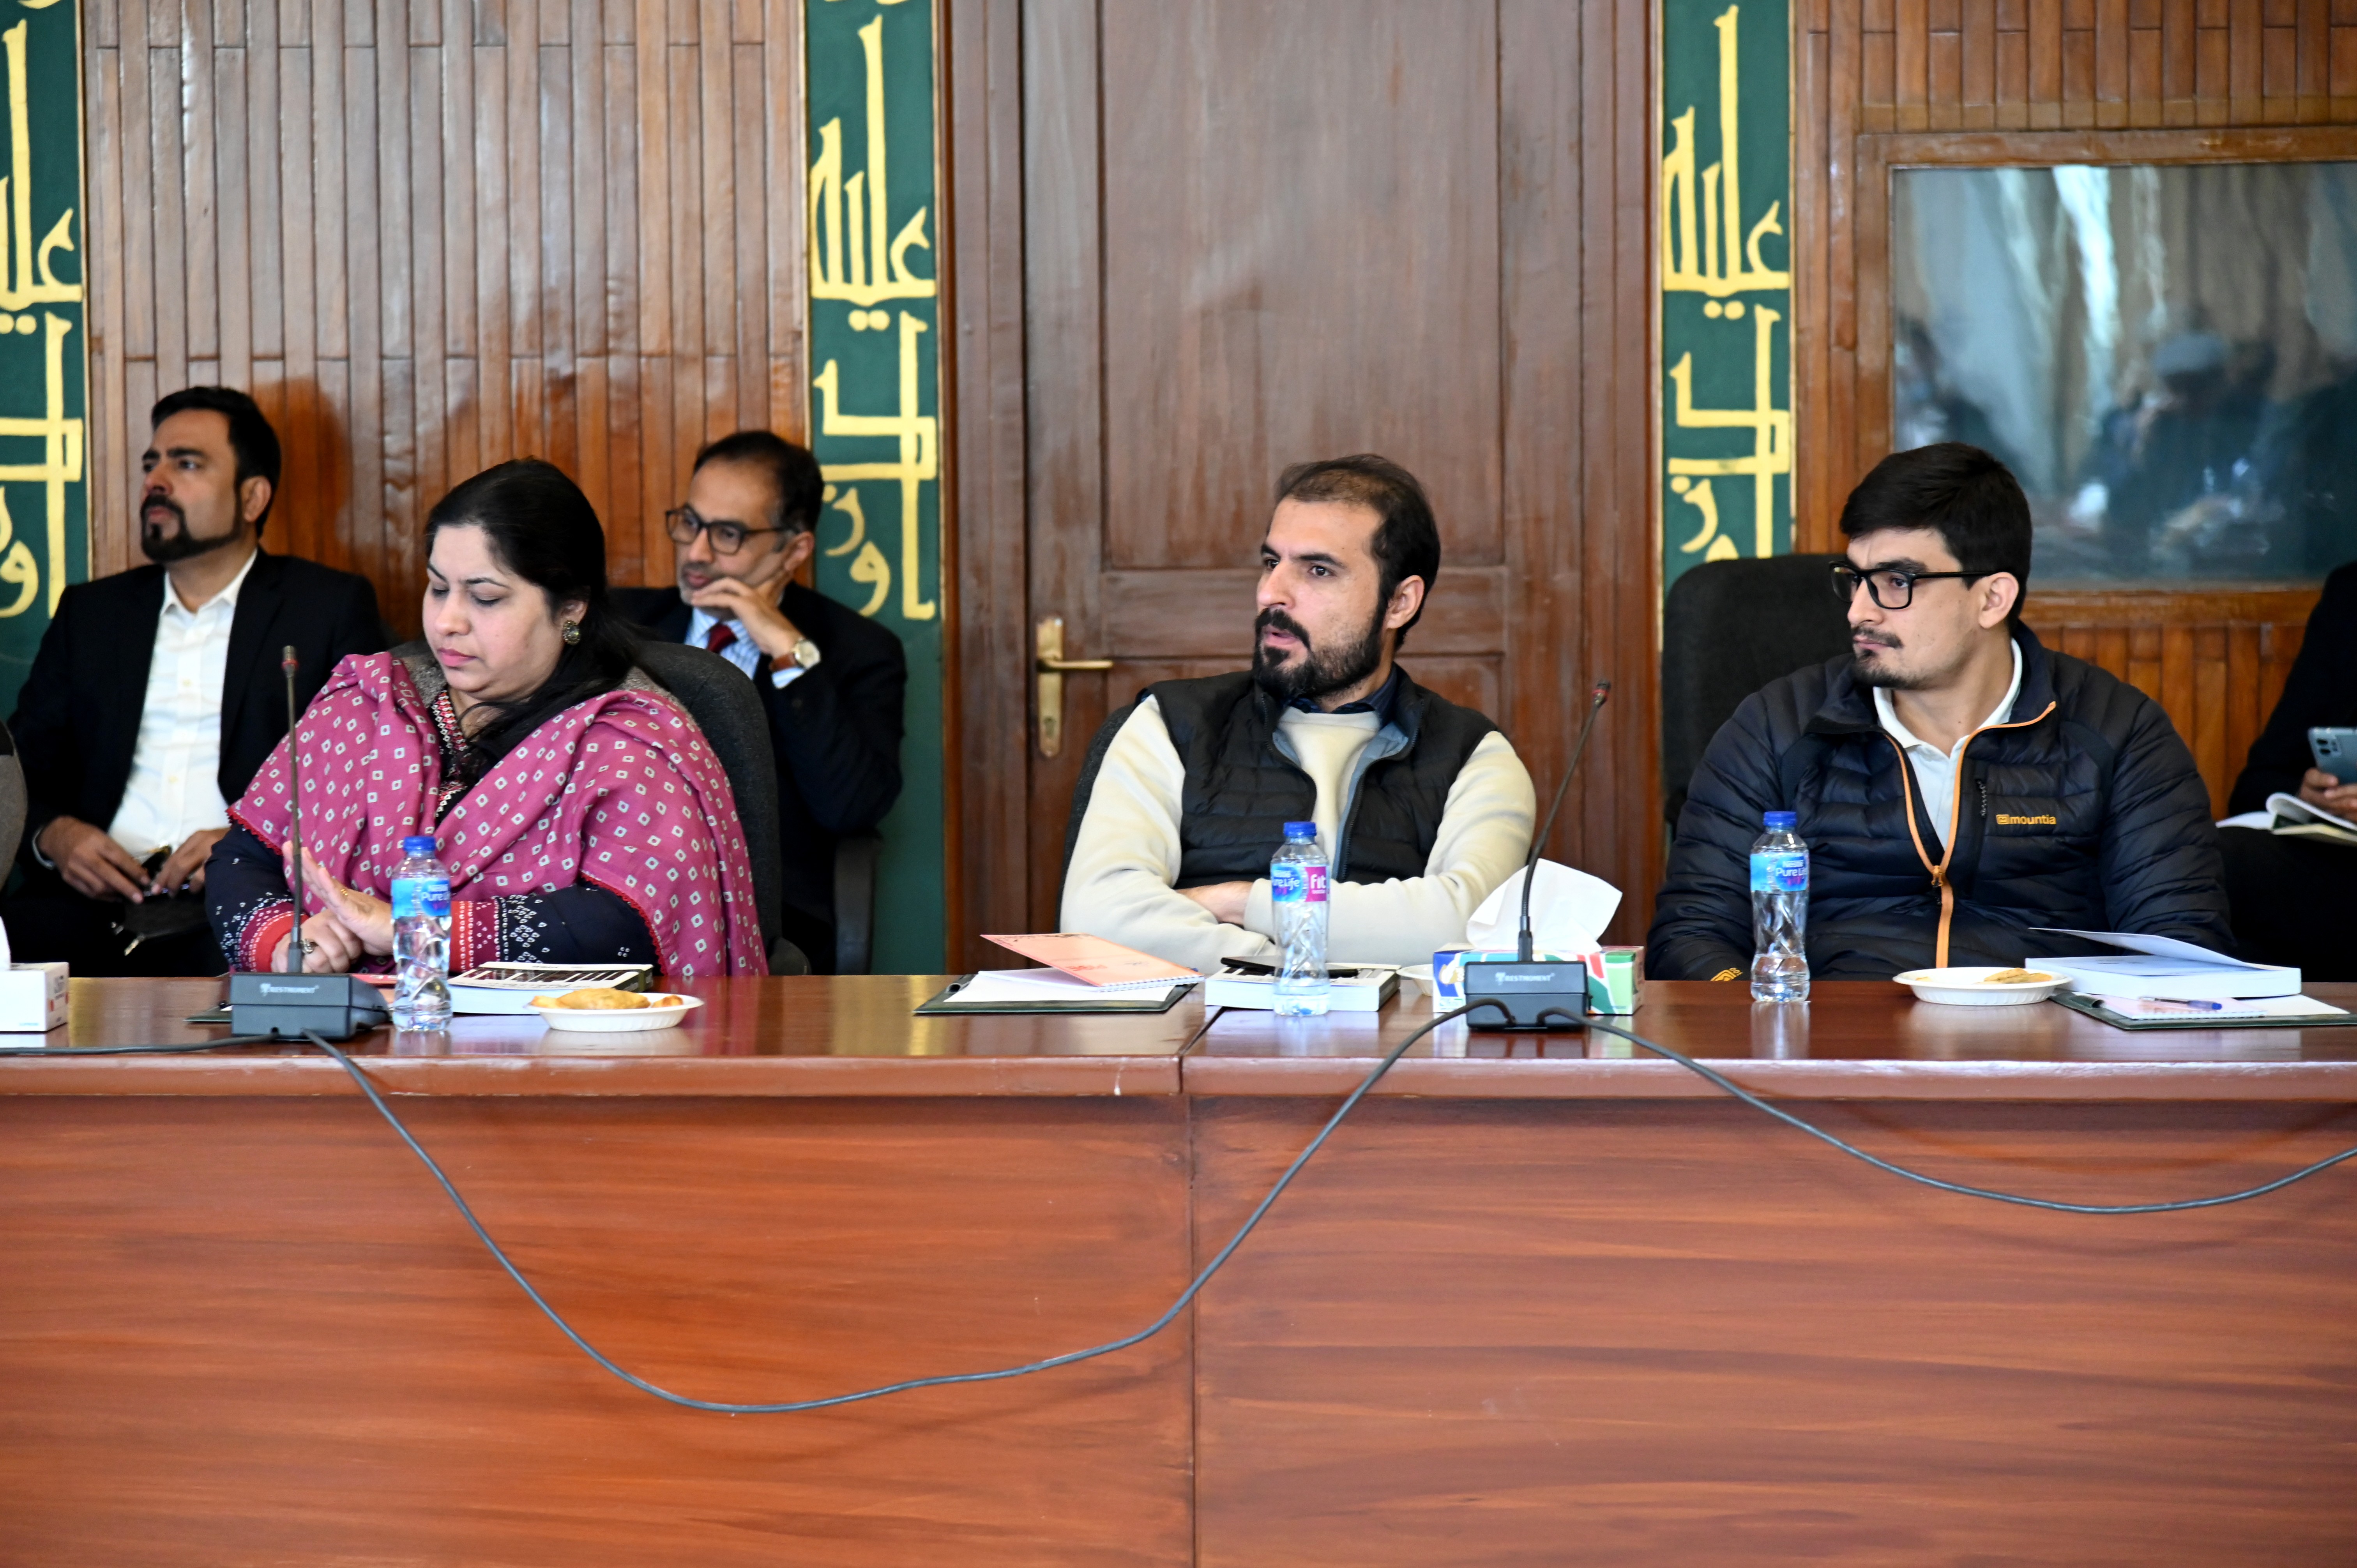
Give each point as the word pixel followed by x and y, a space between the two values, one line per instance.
pixel 1727 283
pixel 44 500
pixel 875 336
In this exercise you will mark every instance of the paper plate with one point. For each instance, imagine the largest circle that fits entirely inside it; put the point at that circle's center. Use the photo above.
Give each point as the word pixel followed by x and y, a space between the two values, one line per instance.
pixel 668 1010
pixel 1970 987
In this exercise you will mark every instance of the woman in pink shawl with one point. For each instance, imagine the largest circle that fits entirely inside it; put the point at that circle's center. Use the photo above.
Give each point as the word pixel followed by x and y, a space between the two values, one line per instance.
pixel 581 815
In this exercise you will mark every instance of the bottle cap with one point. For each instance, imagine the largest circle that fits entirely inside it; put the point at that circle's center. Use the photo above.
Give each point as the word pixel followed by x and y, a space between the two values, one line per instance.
pixel 1785 820
pixel 1301 830
pixel 422 844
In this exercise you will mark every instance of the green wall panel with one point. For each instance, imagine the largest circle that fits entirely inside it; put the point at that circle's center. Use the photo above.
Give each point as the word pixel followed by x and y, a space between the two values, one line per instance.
pixel 1727 283
pixel 43 479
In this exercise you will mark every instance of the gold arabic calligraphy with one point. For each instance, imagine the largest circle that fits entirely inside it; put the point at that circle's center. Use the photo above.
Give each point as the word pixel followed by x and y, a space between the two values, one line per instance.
pixel 850 260
pixel 1707 250
pixel 25 280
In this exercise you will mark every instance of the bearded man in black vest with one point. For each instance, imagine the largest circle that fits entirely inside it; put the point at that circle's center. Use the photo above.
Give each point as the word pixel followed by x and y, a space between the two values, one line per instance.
pixel 1422 806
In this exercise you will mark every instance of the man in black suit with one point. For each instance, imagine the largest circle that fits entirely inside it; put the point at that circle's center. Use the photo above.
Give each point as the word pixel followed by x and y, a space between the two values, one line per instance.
pixel 832 681
pixel 157 694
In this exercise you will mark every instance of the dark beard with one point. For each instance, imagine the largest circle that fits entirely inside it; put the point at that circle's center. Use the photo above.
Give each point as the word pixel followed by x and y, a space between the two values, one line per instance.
pixel 164 548
pixel 1877 673
pixel 1320 672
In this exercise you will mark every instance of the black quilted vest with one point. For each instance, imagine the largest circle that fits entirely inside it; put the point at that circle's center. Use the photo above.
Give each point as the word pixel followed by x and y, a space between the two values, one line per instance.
pixel 1241 790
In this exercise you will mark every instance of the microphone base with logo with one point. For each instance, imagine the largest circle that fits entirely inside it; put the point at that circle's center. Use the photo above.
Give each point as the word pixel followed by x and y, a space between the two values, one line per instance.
pixel 333 1007
pixel 1536 995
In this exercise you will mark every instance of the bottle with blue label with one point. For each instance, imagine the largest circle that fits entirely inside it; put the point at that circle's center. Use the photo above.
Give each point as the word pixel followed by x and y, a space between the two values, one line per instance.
pixel 1779 912
pixel 1297 888
pixel 421 938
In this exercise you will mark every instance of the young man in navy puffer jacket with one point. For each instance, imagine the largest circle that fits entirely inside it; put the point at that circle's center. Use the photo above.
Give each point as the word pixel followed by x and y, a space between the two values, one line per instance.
pixel 1958 784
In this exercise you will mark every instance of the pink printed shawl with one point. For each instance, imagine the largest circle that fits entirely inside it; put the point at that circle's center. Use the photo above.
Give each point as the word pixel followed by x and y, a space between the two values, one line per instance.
pixel 621 791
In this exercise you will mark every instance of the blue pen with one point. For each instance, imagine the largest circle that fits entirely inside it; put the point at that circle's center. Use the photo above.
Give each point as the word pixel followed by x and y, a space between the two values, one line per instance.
pixel 2195 1003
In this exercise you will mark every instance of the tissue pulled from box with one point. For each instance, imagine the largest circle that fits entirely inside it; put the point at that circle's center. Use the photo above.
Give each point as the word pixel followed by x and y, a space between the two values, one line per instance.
pixel 1569 910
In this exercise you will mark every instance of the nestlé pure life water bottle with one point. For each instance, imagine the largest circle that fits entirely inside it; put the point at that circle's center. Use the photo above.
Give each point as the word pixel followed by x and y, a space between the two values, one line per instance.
pixel 1779 912
pixel 421 938
pixel 1296 885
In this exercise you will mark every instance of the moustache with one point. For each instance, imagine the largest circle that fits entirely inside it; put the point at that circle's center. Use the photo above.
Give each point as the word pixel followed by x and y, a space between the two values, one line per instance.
pixel 1277 620
pixel 1875 639
pixel 160 503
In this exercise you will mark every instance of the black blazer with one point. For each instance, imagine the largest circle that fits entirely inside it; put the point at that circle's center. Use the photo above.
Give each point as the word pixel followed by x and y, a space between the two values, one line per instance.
pixel 2321 689
pixel 76 720
pixel 835 729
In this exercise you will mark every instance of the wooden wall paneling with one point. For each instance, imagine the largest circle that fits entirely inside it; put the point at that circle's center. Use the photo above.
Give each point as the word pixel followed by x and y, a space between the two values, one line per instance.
pixel 1616 824
pixel 989 58
pixel 2215 660
pixel 430 235
pixel 1063 304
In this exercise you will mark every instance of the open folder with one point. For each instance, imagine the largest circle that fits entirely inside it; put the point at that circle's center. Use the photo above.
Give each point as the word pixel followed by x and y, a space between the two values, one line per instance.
pixel 1090 974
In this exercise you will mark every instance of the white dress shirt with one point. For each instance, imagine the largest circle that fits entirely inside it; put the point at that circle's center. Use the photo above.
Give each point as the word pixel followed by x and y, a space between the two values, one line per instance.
pixel 1935 770
pixel 175 788
pixel 744 652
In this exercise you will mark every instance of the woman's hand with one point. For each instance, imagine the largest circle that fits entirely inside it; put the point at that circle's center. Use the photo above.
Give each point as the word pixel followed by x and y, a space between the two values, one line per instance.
pixel 2326 793
pixel 334 949
pixel 367 921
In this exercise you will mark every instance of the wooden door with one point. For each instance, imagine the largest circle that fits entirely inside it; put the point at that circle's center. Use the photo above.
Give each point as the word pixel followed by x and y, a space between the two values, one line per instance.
pixel 1253 233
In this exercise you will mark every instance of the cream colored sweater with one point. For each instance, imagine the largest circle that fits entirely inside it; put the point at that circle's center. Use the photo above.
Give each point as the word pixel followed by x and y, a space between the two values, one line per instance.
pixel 1127 854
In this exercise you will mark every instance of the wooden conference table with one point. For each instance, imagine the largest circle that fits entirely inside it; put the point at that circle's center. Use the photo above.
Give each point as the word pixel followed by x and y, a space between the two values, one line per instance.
pixel 1532 1306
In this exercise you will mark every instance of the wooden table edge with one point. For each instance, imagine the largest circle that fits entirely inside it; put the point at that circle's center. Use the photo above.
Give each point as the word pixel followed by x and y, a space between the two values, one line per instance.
pixel 1575 1079
pixel 557 1076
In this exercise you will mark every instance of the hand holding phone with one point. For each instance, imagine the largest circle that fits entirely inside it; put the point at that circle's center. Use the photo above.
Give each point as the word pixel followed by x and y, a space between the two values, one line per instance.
pixel 2335 750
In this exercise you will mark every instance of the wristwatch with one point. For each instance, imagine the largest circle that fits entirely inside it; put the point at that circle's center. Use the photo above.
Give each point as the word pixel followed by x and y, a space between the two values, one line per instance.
pixel 806 654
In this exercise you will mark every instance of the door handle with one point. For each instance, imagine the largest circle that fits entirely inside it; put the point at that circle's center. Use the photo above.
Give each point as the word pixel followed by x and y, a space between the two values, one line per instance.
pixel 1050 666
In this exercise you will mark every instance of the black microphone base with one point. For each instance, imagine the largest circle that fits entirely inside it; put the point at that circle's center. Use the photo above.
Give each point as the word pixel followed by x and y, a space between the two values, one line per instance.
pixel 1533 995
pixel 333 1007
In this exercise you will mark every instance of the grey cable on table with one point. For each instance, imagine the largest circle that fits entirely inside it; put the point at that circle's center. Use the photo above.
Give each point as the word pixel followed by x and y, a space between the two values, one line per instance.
pixel 2057 1205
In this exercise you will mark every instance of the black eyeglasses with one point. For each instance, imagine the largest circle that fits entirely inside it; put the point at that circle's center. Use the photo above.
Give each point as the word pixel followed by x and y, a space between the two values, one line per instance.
pixel 683 524
pixel 1890 587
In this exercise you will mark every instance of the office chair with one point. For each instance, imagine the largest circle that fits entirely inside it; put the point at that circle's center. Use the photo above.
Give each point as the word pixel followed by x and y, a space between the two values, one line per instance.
pixel 1728 628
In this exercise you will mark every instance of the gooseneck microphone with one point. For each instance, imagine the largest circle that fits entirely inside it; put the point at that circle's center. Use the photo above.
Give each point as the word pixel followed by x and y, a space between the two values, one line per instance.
pixel 289 1003
pixel 287 662
pixel 1597 697
pixel 1522 993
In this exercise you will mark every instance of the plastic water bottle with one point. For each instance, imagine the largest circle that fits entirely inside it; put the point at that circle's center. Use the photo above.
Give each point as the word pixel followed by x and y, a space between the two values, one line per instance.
pixel 1779 912
pixel 1296 885
pixel 421 938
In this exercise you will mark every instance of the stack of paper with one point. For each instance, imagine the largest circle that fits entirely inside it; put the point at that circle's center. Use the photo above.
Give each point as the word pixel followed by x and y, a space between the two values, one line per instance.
pixel 2165 969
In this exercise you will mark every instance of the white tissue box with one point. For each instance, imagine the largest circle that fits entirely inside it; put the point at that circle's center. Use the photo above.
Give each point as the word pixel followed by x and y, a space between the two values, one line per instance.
pixel 32 998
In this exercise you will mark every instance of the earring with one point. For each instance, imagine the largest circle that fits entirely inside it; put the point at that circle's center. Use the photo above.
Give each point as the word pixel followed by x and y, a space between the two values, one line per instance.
pixel 571 632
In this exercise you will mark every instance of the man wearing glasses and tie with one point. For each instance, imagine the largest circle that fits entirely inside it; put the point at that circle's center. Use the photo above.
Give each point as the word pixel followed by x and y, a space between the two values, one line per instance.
pixel 832 683
pixel 1958 784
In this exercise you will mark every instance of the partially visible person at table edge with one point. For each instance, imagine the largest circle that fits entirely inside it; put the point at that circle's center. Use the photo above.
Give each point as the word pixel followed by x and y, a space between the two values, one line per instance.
pixel 2295 899
pixel 581 814
pixel 1958 784
pixel 158 691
